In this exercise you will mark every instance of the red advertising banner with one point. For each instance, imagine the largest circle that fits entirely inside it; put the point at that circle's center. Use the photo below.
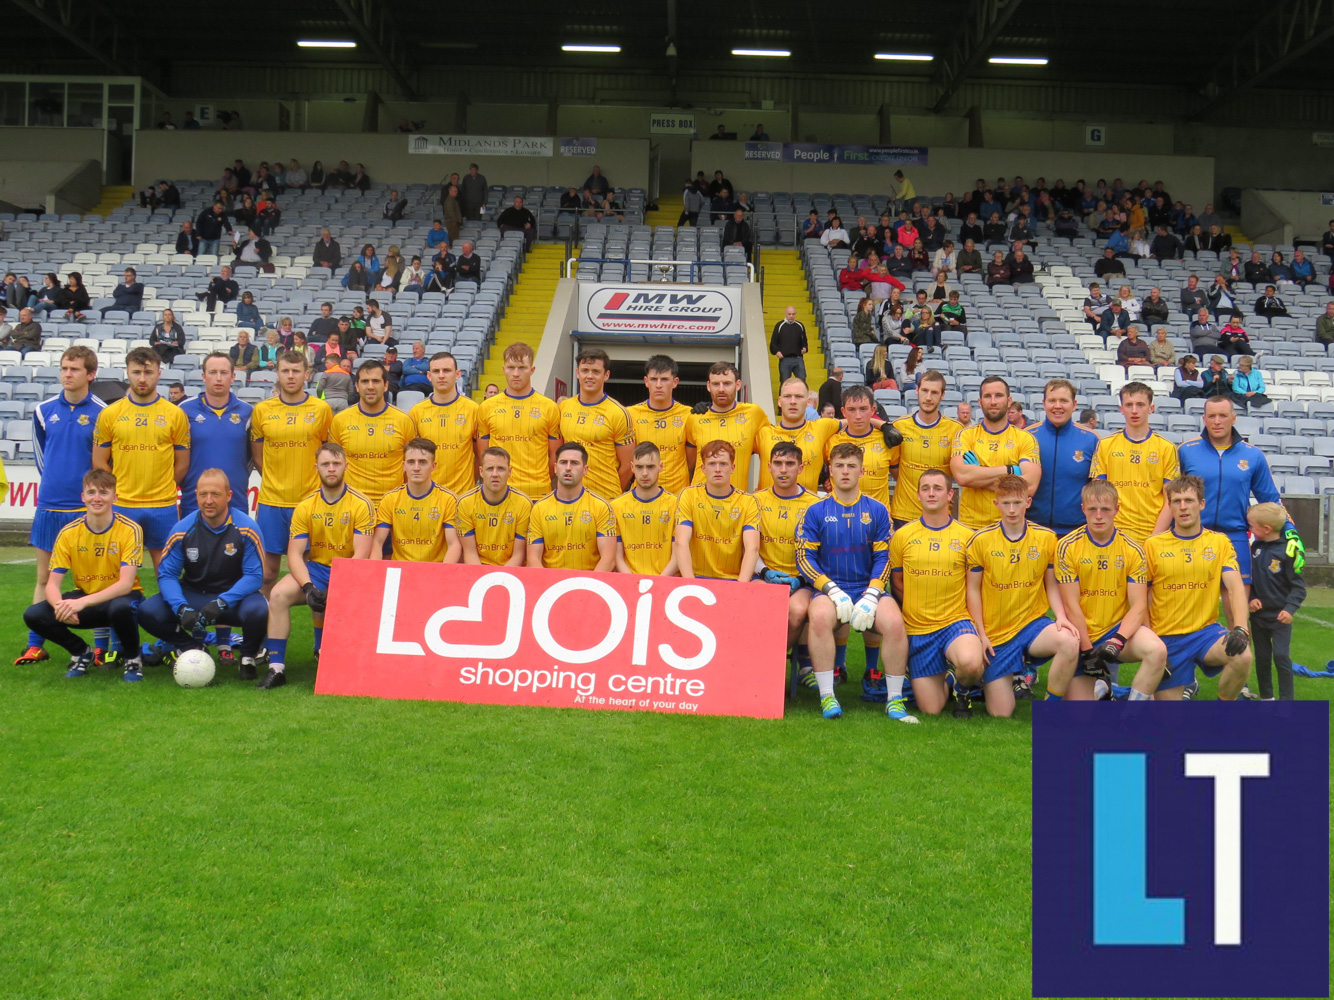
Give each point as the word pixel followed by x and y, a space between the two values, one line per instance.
pixel 502 636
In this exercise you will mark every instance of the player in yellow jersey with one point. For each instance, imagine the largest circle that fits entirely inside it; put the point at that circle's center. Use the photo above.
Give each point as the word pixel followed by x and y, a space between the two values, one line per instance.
pixel 418 518
pixel 493 519
pixel 373 434
pixel 449 418
pixel 987 451
pixel 927 443
pixel 1187 565
pixel 1011 583
pixel 523 422
pixel 1139 463
pixel 878 455
pixel 286 430
pixel 717 525
pixel 739 424
pixel 782 508
pixel 145 440
pixel 100 553
pixel 928 560
pixel 571 527
pixel 1103 579
pixel 645 517
pixel 335 521
pixel 661 420
pixel 600 424
pixel 810 436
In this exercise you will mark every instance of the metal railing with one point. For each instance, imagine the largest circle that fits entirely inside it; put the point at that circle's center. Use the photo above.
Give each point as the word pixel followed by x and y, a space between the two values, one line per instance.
pixel 693 268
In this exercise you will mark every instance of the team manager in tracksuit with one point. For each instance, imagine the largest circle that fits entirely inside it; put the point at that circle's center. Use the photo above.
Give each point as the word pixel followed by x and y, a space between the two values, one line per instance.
pixel 210 574
pixel 1232 471
pixel 1066 452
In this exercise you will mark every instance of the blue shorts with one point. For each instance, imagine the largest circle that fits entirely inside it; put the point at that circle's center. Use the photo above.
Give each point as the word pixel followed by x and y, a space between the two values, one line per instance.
pixel 319 575
pixel 275 527
pixel 1079 668
pixel 1186 652
pixel 155 522
pixel 1012 656
pixel 46 524
pixel 926 653
pixel 1241 541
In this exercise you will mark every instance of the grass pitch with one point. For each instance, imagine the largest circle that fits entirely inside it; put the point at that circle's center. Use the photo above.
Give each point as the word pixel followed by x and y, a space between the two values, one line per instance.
pixel 227 842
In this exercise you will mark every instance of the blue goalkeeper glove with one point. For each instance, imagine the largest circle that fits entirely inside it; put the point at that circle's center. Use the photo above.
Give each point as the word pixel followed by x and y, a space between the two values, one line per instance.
pixel 970 459
pixel 773 576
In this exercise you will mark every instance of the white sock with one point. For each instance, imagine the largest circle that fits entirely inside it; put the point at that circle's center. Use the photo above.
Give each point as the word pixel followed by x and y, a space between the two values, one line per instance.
pixel 825 678
pixel 279 666
pixel 1137 695
pixel 895 686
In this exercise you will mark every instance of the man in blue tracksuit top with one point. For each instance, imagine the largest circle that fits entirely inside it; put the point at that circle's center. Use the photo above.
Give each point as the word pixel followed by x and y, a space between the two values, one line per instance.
pixel 210 574
pixel 219 433
pixel 1066 453
pixel 1232 471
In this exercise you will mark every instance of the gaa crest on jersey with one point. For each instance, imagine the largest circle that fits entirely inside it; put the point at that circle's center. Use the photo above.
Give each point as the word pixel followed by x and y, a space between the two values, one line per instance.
pixel 346 518
pixel 1153 458
pixel 599 420
pixel 1209 554
pixel 113 549
pixel 1033 553
pixel 461 419
pixel 509 517
pixel 1243 464
pixel 229 549
pixel 956 545
pixel 435 514
pixel 1079 454
pixel 866 517
pixel 160 420
pixel 741 418
pixel 192 554
pixel 585 517
pixel 734 513
pixel 236 418
pixel 1274 565
pixel 535 413
pixel 666 518
pixel 678 422
pixel 83 420
pixel 389 429
pixel 310 417
pixel 1119 562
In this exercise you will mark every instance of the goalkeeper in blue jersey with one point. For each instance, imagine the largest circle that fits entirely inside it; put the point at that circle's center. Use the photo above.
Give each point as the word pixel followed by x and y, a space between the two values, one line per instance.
pixel 843 552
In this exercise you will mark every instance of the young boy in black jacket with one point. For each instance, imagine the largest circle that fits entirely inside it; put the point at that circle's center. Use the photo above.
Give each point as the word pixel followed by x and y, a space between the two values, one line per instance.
pixel 1277 591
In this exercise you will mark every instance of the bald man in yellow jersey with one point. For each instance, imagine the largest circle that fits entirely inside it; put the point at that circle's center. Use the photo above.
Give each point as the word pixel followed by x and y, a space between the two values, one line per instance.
pixel 717 525
pixel 927 443
pixel 810 436
pixel 523 422
pixel 928 560
pixel 1104 583
pixel 286 430
pixel 1187 565
pixel 600 424
pixel 373 434
pixel 989 450
pixel 1139 463
pixel 739 424
pixel 645 518
pixel 878 457
pixel 449 418
pixel 661 420
pixel 493 519
pixel 418 518
pixel 571 527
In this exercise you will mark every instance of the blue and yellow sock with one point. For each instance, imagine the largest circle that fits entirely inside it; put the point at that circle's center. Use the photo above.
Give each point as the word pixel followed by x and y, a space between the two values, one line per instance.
pixel 223 635
pixel 102 638
pixel 319 637
pixel 1053 696
pixel 277 651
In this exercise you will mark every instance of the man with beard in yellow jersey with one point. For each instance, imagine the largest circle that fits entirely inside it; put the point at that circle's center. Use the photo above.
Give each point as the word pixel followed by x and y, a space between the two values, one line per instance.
pixel 810 436
pixel 523 422
pixel 782 508
pixel 928 560
pixel 717 525
pixel 286 430
pixel 1103 578
pixel 645 518
pixel 927 443
pixel 1187 565
pixel 739 424
pixel 1139 463
pixel 600 424
pixel 373 434
pixel 661 420
pixel 418 517
pixel 1011 583
pixel 571 527
pixel 493 519
pixel 987 451
pixel 449 418
pixel 877 455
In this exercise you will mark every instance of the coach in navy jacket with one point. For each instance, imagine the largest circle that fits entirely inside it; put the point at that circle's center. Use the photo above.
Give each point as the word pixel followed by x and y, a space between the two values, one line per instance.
pixel 1065 451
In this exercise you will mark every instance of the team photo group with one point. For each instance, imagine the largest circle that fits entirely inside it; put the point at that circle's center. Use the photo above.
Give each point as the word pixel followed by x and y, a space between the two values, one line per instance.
pixel 965 556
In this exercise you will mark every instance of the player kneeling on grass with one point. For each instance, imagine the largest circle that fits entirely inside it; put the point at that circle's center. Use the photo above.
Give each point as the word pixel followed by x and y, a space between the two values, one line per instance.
pixel 101 552
pixel 843 549
pixel 1187 564
pixel 1011 583
pixel 1101 571
pixel 417 518
pixel 717 525
pixel 645 518
pixel 211 573
pixel 334 521
pixel 928 559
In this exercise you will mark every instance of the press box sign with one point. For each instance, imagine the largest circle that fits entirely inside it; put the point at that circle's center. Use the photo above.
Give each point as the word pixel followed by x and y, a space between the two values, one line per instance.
pixel 1181 850
pixel 659 308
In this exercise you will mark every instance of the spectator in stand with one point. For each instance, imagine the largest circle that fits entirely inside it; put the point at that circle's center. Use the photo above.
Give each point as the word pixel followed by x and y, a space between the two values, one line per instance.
pixel 327 253
pixel 176 393
pixel 836 237
pixel 1196 240
pixel 1220 298
pixel 437 235
pixel 998 272
pixel 517 219
pixel 222 288
pixel 1189 382
pixel 5 328
pixel 610 210
pixel 1269 304
pixel 333 347
pixel 1324 326
pixel 352 337
pixel 831 393
pixel 286 330
pixel 905 233
pixel 441 278
pixel 267 214
pixel 317 175
pixel 323 324
pixel 210 226
pixel 864 323
pixel 789 344
pixel 296 176
pixel 1066 225
pixel 854 276
pixel 271 349
pixel 597 183
pixel 721 205
pixel 1114 323
pixel 693 202
pixel 190 121
pixel 1209 218
pixel 737 233
pixel 918 257
pixel 1022 231
pixel 25 335
pixel 1161 352
pixel 1327 241
pixel 1256 270
pixel 1248 385
pixel 334 384
pixel 416 369
pixel 1233 338
pixel 1303 271
pixel 719 184
pixel 759 135
pixel 970 259
pixel 128 296
pixel 394 207
pixel 73 298
pixel 1218 241
pixel 247 313
pixel 1021 268
pixel 254 251
pixel 869 242
pixel 879 372
pixel 1233 269
pixel 926 330
pixel 1216 380
pixel 187 240
pixel 167 338
pixel 897 264
pixel 1131 350
pixel 391 274
pixel 414 278
pixel 1278 270
pixel 379 325
pixel 933 234
pixel 452 210
pixel 1155 308
pixel 993 231
pixel 1130 303
pixel 393 373
pixel 903 192
pixel 358 179
pixel 812 229
pixel 1203 333
pixel 945 259
pixel 1165 246
pixel 1193 297
pixel 46 299
pixel 357 279
pixel 469 266
pixel 952 314
pixel 244 354
pixel 245 215
pixel 1109 266
pixel 165 195
pixel 472 193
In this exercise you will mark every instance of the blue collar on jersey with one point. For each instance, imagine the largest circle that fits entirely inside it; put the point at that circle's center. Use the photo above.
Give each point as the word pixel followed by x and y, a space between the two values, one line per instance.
pixel 800 490
pixel 927 427
pixel 1000 526
pixel 104 530
pixel 131 401
pixel 1187 538
pixel 1126 435
pixel 304 397
pixel 730 491
pixel 941 528
pixel 510 395
pixel 582 491
pixel 666 409
pixel 408 490
pixel 988 430
pixel 457 396
pixel 1102 545
pixel 784 427
pixel 498 502
pixel 380 413
pixel 598 403
pixel 634 491
pixel 720 413
pixel 340 495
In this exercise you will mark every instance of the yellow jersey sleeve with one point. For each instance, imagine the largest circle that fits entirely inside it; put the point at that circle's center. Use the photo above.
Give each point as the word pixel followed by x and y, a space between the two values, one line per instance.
pixel 141 442
pixel 1139 470
pixel 1185 575
pixel 717 525
pixel 568 530
pixel 1013 577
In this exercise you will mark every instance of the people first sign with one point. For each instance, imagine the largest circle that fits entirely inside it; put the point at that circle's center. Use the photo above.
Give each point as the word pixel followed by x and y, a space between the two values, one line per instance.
pixel 517 636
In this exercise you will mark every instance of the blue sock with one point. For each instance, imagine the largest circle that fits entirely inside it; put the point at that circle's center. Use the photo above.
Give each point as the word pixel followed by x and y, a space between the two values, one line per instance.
pixel 101 637
pixel 277 649
pixel 1053 696
pixel 35 640
pixel 319 637
pixel 223 635
pixel 840 657
pixel 803 652
pixel 872 658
